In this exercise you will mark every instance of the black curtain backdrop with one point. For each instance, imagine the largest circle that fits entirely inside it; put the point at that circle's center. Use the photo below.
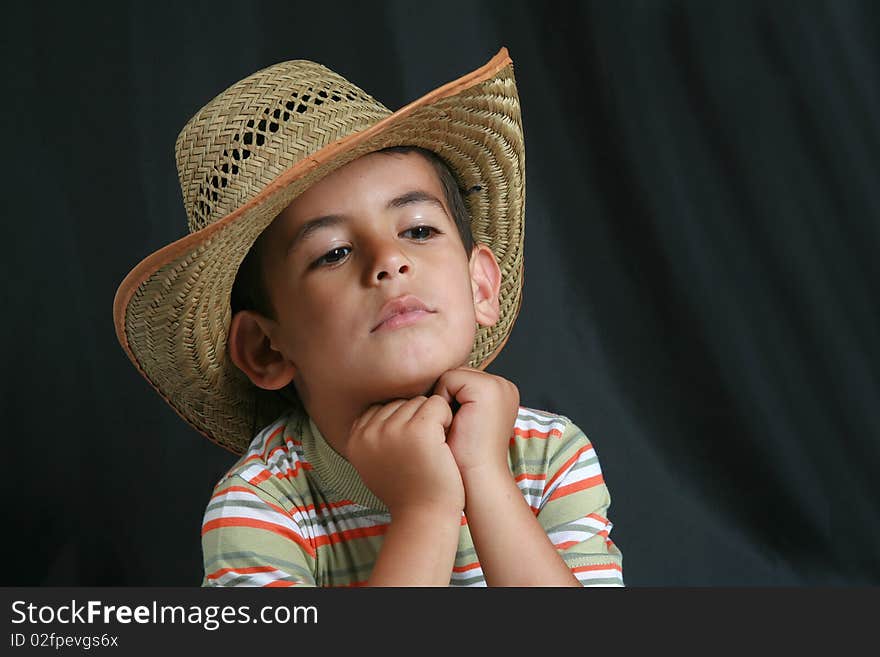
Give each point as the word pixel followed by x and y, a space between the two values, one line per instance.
pixel 701 265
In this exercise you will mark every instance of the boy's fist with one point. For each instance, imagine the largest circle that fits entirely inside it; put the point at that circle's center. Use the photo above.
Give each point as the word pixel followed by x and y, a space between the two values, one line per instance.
pixel 480 434
pixel 400 451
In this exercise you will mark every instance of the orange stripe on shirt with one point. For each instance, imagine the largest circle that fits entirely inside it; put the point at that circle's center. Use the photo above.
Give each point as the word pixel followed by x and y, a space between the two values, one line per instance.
pixel 535 433
pixel 534 477
pixel 290 472
pixel 259 524
pixel 262 455
pixel 348 534
pixel 562 491
pixel 564 467
pixel 567 544
pixel 303 510
pixel 467 567
pixel 242 571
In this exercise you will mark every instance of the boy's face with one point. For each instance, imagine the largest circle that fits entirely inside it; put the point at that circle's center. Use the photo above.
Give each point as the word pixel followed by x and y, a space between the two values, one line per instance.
pixel 374 231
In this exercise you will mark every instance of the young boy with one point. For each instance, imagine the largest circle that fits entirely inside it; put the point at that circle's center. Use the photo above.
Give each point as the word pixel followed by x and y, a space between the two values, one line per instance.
pixel 341 292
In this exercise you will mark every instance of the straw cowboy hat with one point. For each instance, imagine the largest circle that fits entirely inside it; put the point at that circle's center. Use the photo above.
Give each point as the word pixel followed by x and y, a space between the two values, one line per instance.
pixel 244 157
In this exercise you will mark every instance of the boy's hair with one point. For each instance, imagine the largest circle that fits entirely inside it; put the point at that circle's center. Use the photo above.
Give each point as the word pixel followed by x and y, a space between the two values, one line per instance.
pixel 249 289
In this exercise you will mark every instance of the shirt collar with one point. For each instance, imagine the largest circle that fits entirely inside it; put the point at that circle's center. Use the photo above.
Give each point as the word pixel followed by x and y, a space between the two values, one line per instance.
pixel 337 477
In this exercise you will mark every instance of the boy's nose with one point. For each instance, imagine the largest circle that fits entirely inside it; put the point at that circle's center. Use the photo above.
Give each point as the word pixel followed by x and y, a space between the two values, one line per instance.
pixel 389 262
pixel 402 269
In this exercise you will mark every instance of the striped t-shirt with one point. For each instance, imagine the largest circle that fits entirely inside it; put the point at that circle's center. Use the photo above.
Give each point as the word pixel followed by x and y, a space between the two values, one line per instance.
pixel 293 512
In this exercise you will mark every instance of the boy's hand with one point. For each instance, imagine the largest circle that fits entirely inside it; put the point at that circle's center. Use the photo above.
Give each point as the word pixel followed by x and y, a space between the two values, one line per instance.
pixel 400 451
pixel 482 427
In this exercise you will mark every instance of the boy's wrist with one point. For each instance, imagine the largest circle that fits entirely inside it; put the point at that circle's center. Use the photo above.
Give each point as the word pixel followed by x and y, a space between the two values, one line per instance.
pixel 489 486
pixel 487 475
pixel 433 512
pixel 419 546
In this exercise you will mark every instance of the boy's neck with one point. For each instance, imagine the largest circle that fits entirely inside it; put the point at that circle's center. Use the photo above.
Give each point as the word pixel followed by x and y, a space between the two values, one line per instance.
pixel 335 425
pixel 335 419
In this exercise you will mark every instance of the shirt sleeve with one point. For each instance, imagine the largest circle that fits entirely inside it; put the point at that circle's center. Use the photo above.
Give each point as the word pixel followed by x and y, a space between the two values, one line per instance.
pixel 573 509
pixel 249 539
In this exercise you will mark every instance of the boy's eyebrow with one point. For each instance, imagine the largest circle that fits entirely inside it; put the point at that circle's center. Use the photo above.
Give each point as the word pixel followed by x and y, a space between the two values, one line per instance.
pixel 313 225
pixel 309 227
pixel 415 196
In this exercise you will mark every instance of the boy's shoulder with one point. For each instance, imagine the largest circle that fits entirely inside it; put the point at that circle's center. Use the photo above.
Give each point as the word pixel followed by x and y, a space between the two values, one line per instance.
pixel 542 435
pixel 554 463
pixel 275 451
pixel 532 417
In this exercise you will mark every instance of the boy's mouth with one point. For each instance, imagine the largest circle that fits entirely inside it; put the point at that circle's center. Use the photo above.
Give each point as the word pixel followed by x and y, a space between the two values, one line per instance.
pixel 401 311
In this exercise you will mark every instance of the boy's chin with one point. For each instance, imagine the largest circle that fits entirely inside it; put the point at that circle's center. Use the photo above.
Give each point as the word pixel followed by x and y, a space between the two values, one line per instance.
pixel 407 388
pixel 407 391
pixel 412 376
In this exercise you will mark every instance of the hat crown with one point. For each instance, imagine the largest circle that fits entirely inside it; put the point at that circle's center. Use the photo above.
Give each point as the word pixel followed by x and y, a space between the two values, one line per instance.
pixel 260 126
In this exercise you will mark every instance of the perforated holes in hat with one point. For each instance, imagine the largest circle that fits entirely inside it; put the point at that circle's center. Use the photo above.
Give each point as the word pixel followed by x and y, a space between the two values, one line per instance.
pixel 255 135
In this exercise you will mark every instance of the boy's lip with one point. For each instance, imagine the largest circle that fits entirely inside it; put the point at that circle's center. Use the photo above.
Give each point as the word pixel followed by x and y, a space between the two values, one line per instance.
pixel 398 306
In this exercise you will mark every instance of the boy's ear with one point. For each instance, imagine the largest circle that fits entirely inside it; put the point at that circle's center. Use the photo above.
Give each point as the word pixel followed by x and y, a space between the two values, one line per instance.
pixel 485 283
pixel 250 348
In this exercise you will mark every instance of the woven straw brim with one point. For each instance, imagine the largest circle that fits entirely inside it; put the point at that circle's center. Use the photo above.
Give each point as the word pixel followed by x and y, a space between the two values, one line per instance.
pixel 172 312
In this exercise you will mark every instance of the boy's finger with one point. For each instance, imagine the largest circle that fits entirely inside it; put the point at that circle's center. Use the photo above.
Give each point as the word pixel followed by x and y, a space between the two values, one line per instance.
pixel 387 410
pixel 407 409
pixel 453 385
pixel 365 417
pixel 435 409
pixel 429 409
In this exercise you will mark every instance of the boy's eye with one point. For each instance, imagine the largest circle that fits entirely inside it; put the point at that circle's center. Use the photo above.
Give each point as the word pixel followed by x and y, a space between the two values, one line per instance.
pixel 421 233
pixel 335 255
